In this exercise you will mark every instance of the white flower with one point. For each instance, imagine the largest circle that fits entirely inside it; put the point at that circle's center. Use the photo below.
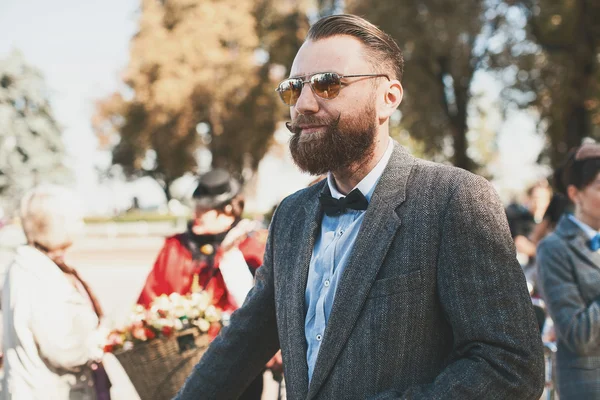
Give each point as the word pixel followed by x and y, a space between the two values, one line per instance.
pixel 203 324
pixel 201 300
pixel 212 314
pixel 163 302
pixel 177 324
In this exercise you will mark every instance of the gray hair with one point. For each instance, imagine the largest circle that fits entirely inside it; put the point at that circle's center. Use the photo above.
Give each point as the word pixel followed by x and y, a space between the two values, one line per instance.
pixel 51 216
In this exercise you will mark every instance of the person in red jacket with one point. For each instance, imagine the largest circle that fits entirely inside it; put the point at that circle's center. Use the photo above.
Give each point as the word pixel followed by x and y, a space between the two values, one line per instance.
pixel 216 235
pixel 219 252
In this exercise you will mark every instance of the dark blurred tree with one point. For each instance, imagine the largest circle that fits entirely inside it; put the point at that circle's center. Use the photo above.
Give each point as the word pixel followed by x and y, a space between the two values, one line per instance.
pixel 549 55
pixel 31 147
pixel 444 44
pixel 196 62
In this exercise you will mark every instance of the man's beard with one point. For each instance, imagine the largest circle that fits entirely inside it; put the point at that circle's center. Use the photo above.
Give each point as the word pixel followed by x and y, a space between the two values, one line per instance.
pixel 342 144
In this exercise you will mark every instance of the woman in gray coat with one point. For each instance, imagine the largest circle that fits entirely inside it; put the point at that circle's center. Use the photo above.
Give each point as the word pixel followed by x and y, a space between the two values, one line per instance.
pixel 569 270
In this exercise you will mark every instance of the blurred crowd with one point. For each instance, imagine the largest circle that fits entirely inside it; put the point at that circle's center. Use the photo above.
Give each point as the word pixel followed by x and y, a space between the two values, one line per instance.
pixel 555 230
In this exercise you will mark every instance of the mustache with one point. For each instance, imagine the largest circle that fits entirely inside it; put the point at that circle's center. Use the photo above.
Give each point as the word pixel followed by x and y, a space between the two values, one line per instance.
pixel 294 126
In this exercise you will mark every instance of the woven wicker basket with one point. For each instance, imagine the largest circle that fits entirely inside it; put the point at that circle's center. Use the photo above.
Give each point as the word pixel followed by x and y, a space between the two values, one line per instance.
pixel 158 368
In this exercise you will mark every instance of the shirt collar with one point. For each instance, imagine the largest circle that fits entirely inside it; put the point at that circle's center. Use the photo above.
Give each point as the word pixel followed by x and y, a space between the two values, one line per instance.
pixel 368 183
pixel 589 231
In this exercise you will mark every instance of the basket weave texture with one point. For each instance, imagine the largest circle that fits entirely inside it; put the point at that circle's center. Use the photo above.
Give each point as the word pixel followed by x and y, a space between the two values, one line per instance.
pixel 158 368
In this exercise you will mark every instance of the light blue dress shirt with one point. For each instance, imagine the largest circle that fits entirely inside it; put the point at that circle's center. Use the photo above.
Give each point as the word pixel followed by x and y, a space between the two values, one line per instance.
pixel 332 250
pixel 588 230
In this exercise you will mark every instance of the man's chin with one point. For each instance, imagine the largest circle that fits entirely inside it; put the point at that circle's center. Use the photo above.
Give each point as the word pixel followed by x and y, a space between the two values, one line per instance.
pixel 312 136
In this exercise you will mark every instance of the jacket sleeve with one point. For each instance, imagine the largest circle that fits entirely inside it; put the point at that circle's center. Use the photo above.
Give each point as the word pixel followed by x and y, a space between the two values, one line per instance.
pixel 66 330
pixel 242 349
pixel 497 350
pixel 576 323
pixel 158 280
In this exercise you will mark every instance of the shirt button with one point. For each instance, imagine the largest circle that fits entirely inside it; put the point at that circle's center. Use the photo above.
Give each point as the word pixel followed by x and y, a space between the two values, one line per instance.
pixel 326 283
pixel 319 337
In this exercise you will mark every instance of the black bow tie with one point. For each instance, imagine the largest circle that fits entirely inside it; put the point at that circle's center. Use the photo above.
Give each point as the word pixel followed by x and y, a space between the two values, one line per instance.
pixel 332 206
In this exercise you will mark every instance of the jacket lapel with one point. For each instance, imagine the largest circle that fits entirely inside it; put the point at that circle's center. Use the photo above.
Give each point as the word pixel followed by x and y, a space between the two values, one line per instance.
pixel 578 241
pixel 377 231
pixel 296 366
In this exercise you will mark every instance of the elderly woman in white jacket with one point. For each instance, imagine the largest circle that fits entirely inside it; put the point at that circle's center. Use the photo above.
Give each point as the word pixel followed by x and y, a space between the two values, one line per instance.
pixel 52 337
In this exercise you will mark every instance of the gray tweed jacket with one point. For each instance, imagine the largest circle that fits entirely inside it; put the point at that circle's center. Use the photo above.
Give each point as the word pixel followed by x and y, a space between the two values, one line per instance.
pixel 431 305
pixel 570 281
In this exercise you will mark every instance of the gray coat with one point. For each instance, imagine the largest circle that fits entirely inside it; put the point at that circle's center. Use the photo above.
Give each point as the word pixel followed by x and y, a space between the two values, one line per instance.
pixel 432 303
pixel 570 280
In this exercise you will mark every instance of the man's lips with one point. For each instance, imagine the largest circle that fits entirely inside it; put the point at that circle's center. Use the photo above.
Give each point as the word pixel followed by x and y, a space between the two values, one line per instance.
pixel 308 129
pixel 311 132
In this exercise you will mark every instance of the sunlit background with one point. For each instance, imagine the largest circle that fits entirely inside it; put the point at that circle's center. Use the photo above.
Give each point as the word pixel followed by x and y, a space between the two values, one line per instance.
pixel 94 72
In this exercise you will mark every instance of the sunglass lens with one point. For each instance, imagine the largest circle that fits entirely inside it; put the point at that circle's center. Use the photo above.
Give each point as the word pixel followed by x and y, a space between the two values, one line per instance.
pixel 289 91
pixel 326 85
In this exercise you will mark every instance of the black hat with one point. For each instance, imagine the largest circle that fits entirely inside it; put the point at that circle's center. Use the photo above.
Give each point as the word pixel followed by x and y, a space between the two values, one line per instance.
pixel 215 188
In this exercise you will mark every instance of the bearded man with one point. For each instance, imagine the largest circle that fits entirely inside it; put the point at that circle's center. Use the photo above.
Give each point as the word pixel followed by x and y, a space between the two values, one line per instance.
pixel 394 277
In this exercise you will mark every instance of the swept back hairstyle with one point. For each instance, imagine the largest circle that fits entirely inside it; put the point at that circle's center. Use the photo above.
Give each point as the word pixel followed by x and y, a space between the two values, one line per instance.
pixel 382 50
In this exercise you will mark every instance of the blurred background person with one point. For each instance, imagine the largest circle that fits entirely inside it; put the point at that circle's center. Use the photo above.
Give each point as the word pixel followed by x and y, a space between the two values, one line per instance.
pixel 219 252
pixel 53 342
pixel 523 220
pixel 559 204
pixel 523 217
pixel 569 270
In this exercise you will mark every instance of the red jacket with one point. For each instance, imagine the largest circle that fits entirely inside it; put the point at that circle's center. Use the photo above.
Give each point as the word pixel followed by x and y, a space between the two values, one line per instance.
pixel 174 270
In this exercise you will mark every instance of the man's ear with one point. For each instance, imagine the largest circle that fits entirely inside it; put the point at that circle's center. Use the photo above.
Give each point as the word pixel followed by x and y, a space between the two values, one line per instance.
pixel 392 97
pixel 572 193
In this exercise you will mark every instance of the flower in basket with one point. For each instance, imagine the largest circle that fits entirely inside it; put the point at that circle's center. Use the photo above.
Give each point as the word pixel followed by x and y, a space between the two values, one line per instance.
pixel 167 315
pixel 203 325
pixel 115 340
pixel 167 331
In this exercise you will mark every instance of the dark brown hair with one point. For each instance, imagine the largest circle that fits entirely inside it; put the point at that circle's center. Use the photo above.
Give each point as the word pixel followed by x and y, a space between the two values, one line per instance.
pixel 382 50
pixel 576 170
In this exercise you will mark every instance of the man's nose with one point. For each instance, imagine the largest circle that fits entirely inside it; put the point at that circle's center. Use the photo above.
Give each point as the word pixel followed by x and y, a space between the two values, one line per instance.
pixel 307 102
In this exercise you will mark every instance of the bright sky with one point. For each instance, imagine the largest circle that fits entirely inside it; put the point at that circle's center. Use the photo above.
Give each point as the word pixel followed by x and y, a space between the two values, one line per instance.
pixel 82 46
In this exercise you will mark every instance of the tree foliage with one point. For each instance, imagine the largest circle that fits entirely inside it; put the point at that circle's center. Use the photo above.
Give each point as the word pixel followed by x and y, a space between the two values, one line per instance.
pixel 444 44
pixel 31 148
pixel 549 55
pixel 208 62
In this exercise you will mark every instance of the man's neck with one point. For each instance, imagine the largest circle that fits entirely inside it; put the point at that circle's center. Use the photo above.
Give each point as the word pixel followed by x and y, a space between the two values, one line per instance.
pixel 588 220
pixel 347 179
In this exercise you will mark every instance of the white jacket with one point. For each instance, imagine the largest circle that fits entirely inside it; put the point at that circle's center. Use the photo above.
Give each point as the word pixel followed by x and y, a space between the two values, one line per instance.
pixel 50 332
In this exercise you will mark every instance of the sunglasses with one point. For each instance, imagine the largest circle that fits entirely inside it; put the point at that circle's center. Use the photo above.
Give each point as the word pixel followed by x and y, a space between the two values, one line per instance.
pixel 326 85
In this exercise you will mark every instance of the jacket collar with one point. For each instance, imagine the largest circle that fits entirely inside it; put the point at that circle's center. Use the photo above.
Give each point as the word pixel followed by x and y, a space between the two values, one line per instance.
pixel 577 240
